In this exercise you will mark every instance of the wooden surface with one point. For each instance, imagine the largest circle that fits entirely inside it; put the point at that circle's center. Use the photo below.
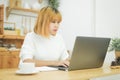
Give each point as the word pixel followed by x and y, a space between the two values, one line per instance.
pixel 7 74
pixel 9 59
pixel 17 42
pixel 26 10
pixel 12 39
pixel 8 10
pixel 1 36
pixel 1 18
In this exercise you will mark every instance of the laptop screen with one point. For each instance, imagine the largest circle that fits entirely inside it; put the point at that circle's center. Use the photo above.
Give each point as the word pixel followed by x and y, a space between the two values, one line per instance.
pixel 88 52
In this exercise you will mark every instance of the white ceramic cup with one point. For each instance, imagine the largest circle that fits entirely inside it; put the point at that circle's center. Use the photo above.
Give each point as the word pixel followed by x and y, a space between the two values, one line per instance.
pixel 27 67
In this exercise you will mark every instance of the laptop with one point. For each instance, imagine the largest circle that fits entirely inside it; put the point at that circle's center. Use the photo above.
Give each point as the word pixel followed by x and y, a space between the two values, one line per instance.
pixel 88 52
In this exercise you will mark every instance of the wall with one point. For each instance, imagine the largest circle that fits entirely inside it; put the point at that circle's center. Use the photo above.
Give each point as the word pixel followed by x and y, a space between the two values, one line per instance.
pixel 89 18
pixel 1 1
pixel 107 18
pixel 77 20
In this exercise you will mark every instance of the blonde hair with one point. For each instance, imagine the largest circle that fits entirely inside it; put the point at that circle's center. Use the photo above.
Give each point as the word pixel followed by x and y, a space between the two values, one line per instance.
pixel 45 16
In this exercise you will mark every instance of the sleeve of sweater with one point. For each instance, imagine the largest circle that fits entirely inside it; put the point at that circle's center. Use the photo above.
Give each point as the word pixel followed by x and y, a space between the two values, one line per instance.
pixel 64 53
pixel 27 50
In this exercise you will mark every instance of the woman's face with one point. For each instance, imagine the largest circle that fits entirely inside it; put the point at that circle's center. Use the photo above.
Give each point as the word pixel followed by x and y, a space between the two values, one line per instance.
pixel 53 27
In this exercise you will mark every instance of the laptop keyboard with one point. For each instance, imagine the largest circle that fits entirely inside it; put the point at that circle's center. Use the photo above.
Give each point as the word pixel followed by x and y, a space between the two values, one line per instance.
pixel 110 77
pixel 60 68
pixel 63 68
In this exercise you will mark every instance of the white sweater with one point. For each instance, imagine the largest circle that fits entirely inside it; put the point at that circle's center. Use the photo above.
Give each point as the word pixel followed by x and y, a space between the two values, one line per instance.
pixel 40 48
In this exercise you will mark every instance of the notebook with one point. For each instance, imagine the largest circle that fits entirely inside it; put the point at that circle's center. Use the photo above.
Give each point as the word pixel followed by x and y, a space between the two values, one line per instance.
pixel 88 52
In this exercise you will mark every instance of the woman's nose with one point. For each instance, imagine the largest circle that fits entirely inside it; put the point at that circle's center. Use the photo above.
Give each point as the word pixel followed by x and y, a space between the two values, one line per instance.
pixel 56 24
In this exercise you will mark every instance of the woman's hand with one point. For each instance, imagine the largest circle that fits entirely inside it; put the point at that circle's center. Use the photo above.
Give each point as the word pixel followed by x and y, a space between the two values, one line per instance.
pixel 64 63
pixel 39 63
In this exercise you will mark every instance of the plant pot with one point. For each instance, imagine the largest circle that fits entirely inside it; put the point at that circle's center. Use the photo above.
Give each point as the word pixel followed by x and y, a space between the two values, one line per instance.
pixel 117 54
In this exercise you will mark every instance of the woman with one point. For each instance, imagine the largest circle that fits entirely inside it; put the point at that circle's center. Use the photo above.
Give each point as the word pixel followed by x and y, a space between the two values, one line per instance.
pixel 44 46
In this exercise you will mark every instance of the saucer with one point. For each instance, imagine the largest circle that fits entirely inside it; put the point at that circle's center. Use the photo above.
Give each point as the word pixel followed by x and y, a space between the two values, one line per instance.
pixel 21 72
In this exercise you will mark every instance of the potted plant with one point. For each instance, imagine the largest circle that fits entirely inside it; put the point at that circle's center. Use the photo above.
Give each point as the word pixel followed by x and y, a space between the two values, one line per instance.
pixel 115 45
pixel 54 4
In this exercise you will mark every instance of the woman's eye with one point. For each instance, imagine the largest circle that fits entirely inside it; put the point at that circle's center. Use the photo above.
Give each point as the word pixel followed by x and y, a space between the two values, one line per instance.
pixel 53 21
pixel 58 22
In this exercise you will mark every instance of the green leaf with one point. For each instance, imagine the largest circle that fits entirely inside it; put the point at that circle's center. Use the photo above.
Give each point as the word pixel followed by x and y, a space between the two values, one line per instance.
pixel 54 4
pixel 115 44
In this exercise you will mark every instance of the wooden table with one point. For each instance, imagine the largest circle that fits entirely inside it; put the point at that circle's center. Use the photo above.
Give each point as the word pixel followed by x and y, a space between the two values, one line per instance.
pixel 9 74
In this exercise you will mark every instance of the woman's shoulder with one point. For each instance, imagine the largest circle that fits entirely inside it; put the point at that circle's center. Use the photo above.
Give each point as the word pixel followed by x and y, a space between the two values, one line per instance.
pixel 34 36
pixel 31 34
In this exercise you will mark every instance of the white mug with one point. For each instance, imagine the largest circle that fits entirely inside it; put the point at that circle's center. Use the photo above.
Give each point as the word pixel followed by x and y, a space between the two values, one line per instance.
pixel 27 67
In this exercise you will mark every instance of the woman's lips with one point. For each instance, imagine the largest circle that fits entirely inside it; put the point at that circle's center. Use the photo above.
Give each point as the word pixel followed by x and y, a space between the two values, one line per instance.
pixel 55 30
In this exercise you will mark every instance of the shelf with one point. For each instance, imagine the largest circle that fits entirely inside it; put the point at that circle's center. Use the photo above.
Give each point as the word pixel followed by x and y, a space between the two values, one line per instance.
pixel 9 37
pixel 1 36
pixel 8 11
pixel 12 37
pixel 1 18
pixel 2 49
pixel 1 5
pixel 21 37
pixel 26 10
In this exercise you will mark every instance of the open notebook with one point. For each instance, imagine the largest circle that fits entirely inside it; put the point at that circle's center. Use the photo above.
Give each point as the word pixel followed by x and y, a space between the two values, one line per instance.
pixel 45 68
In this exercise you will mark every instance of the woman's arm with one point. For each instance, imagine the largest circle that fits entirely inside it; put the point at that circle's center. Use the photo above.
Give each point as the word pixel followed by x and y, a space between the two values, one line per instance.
pixel 39 63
